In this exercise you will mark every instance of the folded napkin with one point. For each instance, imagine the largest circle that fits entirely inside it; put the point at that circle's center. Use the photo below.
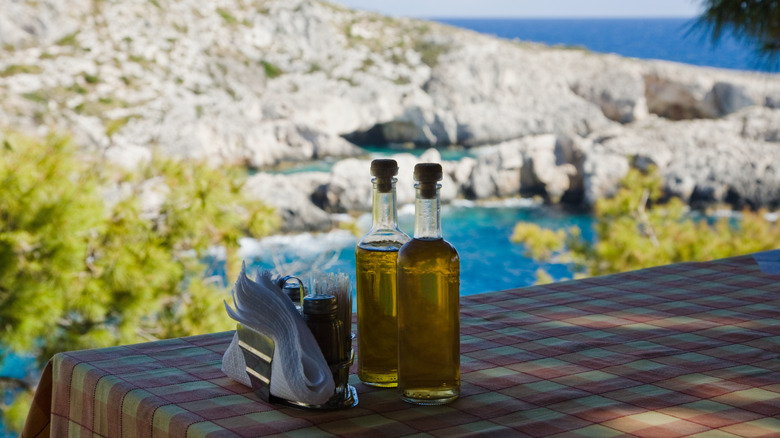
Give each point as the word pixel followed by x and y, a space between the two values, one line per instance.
pixel 299 370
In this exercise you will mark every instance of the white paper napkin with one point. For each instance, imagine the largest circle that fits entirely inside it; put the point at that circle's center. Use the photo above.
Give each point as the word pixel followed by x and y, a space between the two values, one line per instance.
pixel 299 370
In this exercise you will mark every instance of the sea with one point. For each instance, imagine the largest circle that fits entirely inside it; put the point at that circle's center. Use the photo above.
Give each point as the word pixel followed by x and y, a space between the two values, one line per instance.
pixel 481 231
pixel 669 39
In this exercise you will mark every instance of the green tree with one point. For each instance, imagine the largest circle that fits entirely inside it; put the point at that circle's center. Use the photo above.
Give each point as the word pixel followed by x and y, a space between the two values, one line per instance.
pixel 757 21
pixel 635 230
pixel 79 272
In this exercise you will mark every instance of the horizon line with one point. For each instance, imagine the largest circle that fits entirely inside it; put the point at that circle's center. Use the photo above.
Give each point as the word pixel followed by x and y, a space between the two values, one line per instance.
pixel 554 17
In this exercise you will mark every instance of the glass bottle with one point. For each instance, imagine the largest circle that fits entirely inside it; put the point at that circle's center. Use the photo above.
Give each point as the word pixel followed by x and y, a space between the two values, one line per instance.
pixel 428 302
pixel 320 313
pixel 375 259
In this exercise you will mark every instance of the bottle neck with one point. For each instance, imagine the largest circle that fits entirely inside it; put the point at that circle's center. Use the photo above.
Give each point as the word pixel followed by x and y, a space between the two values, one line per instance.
pixel 384 213
pixel 427 213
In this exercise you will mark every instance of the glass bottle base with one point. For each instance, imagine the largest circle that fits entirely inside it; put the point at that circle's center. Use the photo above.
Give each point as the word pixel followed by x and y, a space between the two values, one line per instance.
pixel 379 380
pixel 382 384
pixel 430 396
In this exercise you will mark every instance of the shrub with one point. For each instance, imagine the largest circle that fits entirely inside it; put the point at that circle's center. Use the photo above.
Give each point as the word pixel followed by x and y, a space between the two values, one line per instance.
pixel 77 272
pixel 634 230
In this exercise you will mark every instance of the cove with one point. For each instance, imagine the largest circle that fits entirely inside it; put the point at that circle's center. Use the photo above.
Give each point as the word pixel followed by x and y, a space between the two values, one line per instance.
pixel 480 232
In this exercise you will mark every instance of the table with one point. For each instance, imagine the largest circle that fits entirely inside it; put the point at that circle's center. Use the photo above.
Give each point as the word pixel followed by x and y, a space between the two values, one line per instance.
pixel 678 350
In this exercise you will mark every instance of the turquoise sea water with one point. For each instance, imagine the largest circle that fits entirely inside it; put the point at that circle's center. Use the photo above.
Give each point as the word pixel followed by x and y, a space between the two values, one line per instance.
pixel 15 367
pixel 324 165
pixel 480 233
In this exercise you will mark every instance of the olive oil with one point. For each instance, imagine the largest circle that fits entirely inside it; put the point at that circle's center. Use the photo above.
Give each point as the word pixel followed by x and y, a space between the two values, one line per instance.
pixel 375 266
pixel 428 302
pixel 378 335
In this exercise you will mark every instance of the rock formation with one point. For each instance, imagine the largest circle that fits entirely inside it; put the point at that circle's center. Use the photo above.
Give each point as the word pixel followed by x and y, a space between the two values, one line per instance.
pixel 274 81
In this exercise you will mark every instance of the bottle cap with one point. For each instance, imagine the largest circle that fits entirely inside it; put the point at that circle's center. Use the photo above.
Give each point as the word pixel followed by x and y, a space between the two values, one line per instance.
pixel 384 168
pixel 320 305
pixel 427 172
pixel 427 175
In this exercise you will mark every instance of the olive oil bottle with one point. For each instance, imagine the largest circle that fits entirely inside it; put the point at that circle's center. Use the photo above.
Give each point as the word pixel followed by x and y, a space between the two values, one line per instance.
pixel 428 302
pixel 375 260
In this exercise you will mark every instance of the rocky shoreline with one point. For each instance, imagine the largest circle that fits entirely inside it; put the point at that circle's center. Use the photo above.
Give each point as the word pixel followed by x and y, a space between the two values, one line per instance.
pixel 284 81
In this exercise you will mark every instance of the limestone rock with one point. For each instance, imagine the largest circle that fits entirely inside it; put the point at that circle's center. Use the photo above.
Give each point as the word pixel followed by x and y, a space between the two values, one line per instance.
pixel 602 172
pixel 291 197
pixel 297 80
pixel 709 161
pixel 620 93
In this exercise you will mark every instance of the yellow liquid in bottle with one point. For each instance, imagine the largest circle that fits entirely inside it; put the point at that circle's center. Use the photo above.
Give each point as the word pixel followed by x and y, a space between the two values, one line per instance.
pixel 377 321
pixel 428 322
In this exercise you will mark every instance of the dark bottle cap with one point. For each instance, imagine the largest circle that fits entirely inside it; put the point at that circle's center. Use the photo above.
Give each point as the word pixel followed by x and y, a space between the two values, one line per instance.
pixel 384 168
pixel 427 175
pixel 428 172
pixel 320 305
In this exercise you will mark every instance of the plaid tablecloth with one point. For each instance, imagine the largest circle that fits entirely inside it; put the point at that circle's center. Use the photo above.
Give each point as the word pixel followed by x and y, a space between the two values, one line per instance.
pixel 682 350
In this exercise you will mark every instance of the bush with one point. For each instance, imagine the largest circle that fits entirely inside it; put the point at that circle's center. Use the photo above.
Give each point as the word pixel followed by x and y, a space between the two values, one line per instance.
pixel 634 230
pixel 77 272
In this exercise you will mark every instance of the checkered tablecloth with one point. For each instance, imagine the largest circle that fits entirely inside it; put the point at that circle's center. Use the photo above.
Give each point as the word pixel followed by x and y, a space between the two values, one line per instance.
pixel 682 350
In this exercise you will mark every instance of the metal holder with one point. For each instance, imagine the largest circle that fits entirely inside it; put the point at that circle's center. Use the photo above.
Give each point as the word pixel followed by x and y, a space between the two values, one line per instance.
pixel 258 350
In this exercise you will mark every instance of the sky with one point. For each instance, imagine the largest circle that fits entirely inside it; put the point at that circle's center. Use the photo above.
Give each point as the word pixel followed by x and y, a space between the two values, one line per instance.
pixel 529 8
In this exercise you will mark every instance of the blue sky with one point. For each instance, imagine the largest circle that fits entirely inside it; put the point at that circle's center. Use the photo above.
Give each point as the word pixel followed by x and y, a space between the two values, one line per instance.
pixel 529 8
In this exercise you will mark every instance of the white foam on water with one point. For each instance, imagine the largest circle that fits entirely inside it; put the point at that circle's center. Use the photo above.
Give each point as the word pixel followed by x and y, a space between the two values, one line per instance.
pixel 724 213
pixel 294 254
pixel 406 210
pixel 462 203
pixel 511 203
pixel 303 244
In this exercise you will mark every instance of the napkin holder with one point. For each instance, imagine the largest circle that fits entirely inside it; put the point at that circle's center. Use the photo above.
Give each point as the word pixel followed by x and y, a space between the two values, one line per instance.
pixel 258 352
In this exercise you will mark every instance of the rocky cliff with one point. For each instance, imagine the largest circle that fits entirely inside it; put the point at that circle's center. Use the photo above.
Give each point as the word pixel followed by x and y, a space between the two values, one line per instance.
pixel 268 81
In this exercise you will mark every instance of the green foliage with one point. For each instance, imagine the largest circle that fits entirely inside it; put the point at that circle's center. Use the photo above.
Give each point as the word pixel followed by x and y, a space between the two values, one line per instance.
pixel 227 16
pixel 16 412
pixel 77 272
pixel 271 71
pixel 538 241
pixel 402 80
pixel 314 67
pixel 68 40
pixel 114 125
pixel 634 230
pixel 91 79
pixel 15 69
pixel 429 51
pixel 756 21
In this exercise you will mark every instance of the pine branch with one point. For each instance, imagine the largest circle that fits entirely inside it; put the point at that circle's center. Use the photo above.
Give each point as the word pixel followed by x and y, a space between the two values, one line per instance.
pixel 13 383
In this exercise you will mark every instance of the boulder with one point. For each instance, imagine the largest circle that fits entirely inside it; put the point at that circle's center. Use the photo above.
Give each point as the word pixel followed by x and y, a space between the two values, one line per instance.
pixel 706 161
pixel 349 187
pixel 760 124
pixel 291 197
pixel 298 80
pixel 619 92
pixel 529 166
pixel 496 93
pixel 602 172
